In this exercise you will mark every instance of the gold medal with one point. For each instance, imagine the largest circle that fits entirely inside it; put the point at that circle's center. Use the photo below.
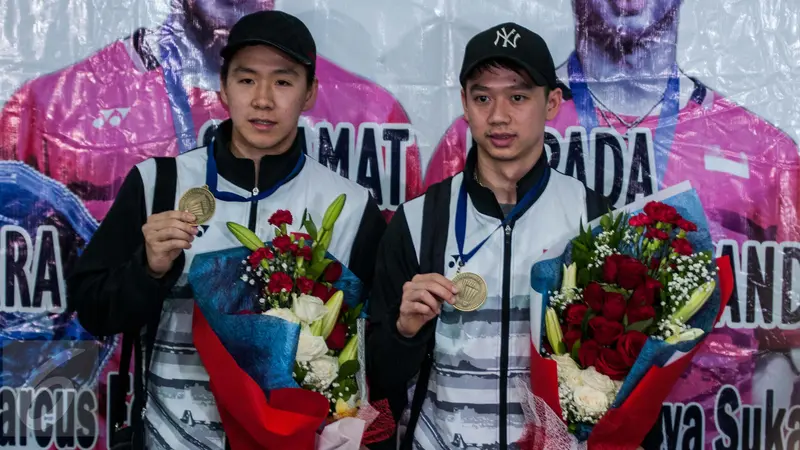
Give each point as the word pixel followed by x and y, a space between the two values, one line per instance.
pixel 472 291
pixel 198 201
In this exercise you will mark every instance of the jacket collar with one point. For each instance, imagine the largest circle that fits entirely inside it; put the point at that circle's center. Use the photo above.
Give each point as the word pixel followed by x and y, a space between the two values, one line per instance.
pixel 484 199
pixel 240 171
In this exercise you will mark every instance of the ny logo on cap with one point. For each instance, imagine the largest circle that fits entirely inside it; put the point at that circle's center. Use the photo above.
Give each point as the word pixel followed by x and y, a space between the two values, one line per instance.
pixel 506 37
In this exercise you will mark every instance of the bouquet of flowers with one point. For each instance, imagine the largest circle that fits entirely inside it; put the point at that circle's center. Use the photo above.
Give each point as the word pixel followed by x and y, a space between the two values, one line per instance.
pixel 279 327
pixel 626 304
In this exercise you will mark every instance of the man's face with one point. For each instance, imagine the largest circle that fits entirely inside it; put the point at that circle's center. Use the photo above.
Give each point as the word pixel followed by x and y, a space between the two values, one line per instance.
pixel 223 14
pixel 265 93
pixel 627 17
pixel 506 112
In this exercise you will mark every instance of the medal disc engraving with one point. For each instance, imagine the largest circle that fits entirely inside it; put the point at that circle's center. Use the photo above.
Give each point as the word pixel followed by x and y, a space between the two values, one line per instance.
pixel 472 291
pixel 198 201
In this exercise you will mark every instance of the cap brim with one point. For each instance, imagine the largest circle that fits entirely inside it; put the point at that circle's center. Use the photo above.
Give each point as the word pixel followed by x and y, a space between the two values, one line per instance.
pixel 535 75
pixel 228 51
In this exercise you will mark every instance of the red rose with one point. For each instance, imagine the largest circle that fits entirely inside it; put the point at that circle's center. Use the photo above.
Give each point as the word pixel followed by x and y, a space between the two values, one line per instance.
pixel 614 307
pixel 682 247
pixel 322 291
pixel 305 285
pixel 571 337
pixel 279 281
pixel 575 313
pixel 611 268
pixel 604 331
pixel 261 253
pixel 642 297
pixel 338 337
pixel 588 353
pixel 297 236
pixel 632 273
pixel 333 272
pixel 630 345
pixel 610 363
pixel 655 263
pixel 304 252
pixel 282 243
pixel 661 212
pixel 640 220
pixel 640 313
pixel 652 283
pixel 655 233
pixel 281 217
pixel 685 225
pixel 593 296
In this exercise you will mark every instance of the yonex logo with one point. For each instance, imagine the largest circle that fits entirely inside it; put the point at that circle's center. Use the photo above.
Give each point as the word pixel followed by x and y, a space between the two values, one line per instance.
pixel 111 116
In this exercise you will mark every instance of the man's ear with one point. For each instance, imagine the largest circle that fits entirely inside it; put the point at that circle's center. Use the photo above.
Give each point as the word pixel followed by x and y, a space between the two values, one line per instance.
pixel 223 94
pixel 311 95
pixel 464 104
pixel 554 100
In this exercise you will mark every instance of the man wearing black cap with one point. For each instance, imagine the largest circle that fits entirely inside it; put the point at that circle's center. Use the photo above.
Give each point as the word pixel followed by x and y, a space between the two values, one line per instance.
pixel 133 274
pixel 450 332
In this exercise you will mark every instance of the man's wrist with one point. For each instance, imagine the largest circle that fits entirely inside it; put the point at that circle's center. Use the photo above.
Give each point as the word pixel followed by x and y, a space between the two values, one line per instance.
pixel 401 332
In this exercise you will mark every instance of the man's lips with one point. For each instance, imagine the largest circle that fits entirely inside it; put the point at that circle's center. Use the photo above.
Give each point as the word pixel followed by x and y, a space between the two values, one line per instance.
pixel 262 124
pixel 502 139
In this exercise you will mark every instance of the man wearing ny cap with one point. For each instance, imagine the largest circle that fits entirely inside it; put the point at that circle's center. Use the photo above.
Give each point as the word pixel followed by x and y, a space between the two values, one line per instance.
pixel 133 274
pixel 448 354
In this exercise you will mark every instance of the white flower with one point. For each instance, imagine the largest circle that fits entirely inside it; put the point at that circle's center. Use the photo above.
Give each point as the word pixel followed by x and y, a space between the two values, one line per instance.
pixel 283 313
pixel 564 362
pixel 310 347
pixel 308 308
pixel 322 371
pixel 597 381
pixel 570 375
pixel 590 401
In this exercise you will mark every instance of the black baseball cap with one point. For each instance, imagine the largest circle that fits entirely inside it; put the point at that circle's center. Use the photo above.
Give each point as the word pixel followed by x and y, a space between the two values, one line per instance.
pixel 278 29
pixel 515 43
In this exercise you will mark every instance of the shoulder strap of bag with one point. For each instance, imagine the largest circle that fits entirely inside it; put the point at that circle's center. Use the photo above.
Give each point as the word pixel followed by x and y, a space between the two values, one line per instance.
pixel 163 200
pixel 435 226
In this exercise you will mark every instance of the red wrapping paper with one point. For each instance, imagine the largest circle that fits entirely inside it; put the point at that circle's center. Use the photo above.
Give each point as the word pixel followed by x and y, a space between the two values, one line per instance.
pixel 290 418
pixel 625 427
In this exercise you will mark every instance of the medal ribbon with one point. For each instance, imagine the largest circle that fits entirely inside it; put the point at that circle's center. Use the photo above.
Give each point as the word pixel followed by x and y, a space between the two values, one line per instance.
pixel 211 180
pixel 176 93
pixel 667 119
pixel 461 215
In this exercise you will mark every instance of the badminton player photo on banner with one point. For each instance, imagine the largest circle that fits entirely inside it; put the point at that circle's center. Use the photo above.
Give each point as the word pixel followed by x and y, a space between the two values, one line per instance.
pixel 656 93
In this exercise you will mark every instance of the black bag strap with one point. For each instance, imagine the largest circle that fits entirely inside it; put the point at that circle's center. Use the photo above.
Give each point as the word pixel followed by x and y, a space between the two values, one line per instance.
pixel 163 200
pixel 435 228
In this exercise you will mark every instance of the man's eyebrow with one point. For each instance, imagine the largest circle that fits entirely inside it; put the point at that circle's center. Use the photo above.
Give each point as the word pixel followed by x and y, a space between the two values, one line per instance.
pixel 244 69
pixel 286 71
pixel 520 85
pixel 478 88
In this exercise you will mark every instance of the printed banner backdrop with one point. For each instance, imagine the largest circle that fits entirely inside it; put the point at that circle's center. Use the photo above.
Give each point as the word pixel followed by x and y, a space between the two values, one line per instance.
pixel 656 92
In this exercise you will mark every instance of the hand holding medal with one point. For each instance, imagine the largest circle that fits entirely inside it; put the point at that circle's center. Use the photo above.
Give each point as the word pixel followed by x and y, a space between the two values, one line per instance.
pixel 422 301
pixel 166 235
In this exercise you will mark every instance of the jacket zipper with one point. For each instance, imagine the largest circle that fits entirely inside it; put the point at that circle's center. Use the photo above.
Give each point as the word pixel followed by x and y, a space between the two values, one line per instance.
pixel 251 224
pixel 504 331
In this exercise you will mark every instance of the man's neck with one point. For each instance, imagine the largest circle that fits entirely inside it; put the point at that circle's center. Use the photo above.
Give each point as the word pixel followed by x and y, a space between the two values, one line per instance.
pixel 629 74
pixel 244 151
pixel 501 177
pixel 198 52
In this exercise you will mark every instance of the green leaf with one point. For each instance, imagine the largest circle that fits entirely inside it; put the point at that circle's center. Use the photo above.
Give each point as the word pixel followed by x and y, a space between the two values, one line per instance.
pixel 300 373
pixel 583 277
pixel 348 369
pixel 575 348
pixel 311 228
pixel 317 268
pixel 638 326
pixel 585 324
pixel 606 222
pixel 355 312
